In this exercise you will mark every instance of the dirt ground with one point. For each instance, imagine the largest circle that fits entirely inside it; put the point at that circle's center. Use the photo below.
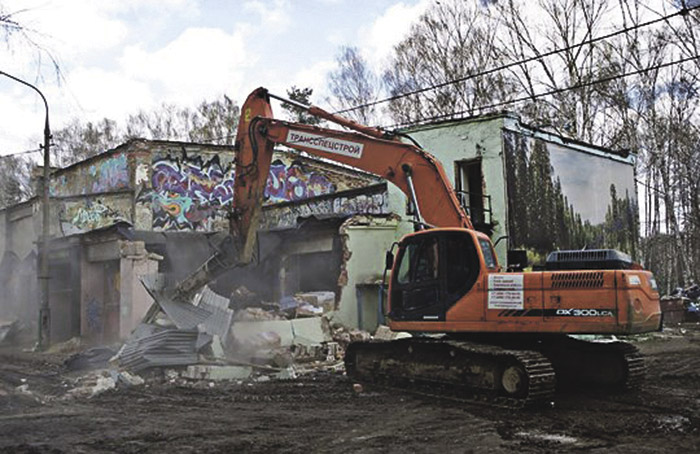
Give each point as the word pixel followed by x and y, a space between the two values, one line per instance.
pixel 321 413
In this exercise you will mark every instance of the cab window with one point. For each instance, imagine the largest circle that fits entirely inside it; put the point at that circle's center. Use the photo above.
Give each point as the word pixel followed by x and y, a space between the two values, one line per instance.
pixel 487 252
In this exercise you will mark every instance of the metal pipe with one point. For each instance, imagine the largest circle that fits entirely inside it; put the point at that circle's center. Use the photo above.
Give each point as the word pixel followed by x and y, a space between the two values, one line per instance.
pixel 44 329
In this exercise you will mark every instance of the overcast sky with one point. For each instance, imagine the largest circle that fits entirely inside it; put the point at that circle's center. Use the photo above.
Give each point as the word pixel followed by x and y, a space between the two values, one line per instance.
pixel 120 56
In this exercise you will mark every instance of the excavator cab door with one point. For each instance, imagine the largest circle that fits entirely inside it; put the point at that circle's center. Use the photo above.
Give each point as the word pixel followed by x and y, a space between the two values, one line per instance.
pixel 434 269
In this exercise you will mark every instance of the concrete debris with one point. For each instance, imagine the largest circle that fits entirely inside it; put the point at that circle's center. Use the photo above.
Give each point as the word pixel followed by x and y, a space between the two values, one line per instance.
pixel 127 379
pixel 288 373
pixel 93 384
pixel 344 336
pixel 384 333
pixel 252 314
pixel 204 339
pixel 308 310
pixel 323 300
pixel 217 373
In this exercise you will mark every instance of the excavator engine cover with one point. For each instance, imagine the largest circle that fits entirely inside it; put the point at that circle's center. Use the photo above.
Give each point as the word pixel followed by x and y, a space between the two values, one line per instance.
pixel 591 259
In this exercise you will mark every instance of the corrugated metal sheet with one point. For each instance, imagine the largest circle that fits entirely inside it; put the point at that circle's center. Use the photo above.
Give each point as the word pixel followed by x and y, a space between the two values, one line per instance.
pixel 219 322
pixel 152 346
pixel 211 312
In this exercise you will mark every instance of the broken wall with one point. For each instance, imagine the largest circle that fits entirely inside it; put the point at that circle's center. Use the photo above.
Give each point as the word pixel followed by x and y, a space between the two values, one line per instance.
pixel 365 242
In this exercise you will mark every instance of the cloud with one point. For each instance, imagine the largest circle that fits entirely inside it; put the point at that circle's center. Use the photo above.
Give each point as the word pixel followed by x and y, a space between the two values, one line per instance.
pixel 73 26
pixel 378 40
pixel 275 15
pixel 100 93
pixel 200 63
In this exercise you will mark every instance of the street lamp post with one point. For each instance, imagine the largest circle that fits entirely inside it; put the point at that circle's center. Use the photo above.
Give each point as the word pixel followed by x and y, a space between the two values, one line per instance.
pixel 44 331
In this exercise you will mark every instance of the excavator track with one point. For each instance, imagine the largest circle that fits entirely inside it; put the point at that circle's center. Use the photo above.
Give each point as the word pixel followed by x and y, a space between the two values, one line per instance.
pixel 605 366
pixel 461 370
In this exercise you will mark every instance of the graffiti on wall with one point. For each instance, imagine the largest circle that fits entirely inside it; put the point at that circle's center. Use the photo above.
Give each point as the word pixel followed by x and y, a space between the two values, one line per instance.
pixel 288 216
pixel 93 316
pixel 79 217
pixel 110 175
pixel 293 182
pixel 106 174
pixel 188 191
pixel 191 192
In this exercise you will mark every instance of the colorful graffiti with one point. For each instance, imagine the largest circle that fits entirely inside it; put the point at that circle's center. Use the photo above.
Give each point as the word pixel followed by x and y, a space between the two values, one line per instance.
pixel 291 183
pixel 288 216
pixel 88 215
pixel 107 173
pixel 110 175
pixel 192 193
pixel 187 191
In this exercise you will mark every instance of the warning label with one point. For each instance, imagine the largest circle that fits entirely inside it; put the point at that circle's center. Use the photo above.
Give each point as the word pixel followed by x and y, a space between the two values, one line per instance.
pixel 506 291
pixel 327 144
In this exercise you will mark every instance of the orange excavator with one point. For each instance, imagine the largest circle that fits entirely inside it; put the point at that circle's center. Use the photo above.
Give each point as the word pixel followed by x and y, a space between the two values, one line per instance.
pixel 480 333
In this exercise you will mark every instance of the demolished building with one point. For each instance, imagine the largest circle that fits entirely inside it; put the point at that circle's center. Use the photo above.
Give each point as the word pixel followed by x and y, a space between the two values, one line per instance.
pixel 159 206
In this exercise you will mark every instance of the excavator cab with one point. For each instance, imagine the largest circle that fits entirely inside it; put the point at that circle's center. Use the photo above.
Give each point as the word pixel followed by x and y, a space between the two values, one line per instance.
pixel 433 270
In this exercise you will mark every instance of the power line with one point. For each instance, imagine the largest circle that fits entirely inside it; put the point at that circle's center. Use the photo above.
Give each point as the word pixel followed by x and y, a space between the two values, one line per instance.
pixel 19 153
pixel 681 12
pixel 457 115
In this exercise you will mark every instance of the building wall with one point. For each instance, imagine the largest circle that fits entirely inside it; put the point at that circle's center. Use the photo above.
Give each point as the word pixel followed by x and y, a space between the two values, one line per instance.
pixel 567 195
pixel 454 141
pixel 365 242
pixel 547 192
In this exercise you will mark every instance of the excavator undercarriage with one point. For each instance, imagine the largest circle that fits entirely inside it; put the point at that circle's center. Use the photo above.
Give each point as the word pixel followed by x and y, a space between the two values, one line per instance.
pixel 495 372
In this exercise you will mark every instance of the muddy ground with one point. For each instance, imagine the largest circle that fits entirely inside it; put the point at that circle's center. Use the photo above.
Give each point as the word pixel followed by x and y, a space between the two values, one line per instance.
pixel 321 413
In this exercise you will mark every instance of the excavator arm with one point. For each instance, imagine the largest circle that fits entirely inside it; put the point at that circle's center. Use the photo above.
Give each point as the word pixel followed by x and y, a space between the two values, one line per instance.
pixel 369 149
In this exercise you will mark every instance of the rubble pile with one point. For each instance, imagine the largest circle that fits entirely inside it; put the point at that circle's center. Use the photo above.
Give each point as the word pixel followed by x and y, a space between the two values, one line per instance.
pixel 212 338
pixel 683 305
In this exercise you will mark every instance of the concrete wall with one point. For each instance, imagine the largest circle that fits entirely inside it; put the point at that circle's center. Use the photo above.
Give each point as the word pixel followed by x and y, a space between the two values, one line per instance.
pixel 365 242
pixel 134 299
pixel 457 141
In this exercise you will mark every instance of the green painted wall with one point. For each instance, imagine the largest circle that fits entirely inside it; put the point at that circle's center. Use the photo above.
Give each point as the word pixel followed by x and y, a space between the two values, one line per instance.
pixel 457 141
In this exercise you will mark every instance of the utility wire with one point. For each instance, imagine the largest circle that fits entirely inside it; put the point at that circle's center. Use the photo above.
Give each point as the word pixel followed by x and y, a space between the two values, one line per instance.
pixel 459 114
pixel 19 153
pixel 684 11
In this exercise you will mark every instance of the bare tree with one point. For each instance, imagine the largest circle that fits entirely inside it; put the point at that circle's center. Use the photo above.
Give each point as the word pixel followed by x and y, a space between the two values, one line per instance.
pixel 210 122
pixel 15 174
pixel 16 35
pixel 562 24
pixel 451 41
pixel 353 84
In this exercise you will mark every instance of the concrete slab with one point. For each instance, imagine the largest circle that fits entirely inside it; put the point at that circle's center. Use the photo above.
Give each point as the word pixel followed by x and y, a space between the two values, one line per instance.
pixel 217 373
pixel 310 331
pixel 248 330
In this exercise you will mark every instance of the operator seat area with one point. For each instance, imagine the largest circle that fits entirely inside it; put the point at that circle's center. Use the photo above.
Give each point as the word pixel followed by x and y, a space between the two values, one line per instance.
pixel 434 270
